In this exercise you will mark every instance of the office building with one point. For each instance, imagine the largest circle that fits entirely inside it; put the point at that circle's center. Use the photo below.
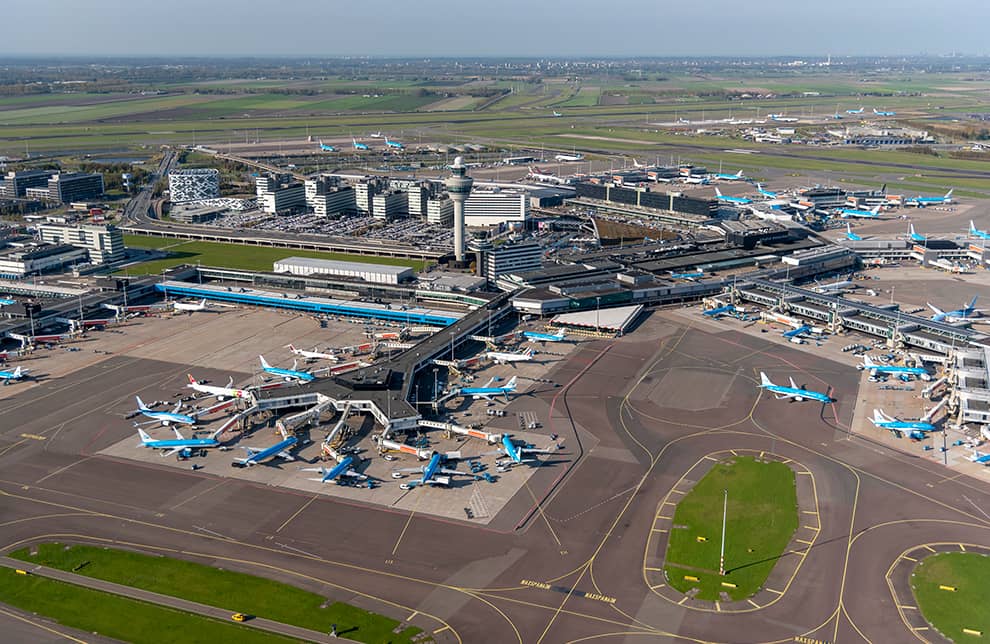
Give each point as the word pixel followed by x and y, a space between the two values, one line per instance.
pixel 75 186
pixel 440 211
pixel 364 194
pixel 194 184
pixel 326 197
pixel 374 273
pixel 494 207
pixel 16 183
pixel 105 244
pixel 390 205
pixel 419 195
pixel 16 263
pixel 280 194
pixel 511 258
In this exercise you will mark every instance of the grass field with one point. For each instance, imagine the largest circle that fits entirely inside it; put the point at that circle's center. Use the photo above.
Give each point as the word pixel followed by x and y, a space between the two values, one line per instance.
pixel 118 617
pixel 221 588
pixel 251 258
pixel 761 517
pixel 951 612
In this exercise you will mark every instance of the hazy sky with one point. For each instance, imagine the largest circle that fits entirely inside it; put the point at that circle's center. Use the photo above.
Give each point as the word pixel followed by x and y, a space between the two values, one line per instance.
pixel 494 27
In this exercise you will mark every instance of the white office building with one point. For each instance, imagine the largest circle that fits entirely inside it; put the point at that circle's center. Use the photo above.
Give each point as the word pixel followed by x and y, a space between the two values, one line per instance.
pixel 193 184
pixel 327 198
pixel 493 207
pixel 390 205
pixel 440 211
pixel 278 194
pixel 511 258
pixel 105 244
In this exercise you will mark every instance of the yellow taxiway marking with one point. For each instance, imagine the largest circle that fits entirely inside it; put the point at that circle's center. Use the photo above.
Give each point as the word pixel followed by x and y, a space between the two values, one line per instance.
pixel 811 527
pixel 734 453
pixel 755 605
pixel 42 626
pixel 810 512
pixel 402 534
pixel 775 591
pixel 718 609
pixel 909 607
pixel 648 568
pixel 683 599
pixel 412 615
pixel 441 629
pixel 805 472
pixel 919 628
pixel 930 549
pixel 962 547
pixel 296 513
pixel 659 529
pixel 807 543
pixel 908 558
pixel 660 516
pixel 657 586
pixel 35 437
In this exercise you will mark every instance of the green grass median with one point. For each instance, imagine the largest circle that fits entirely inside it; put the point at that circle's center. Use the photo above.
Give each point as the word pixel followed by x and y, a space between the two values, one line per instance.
pixel 951 589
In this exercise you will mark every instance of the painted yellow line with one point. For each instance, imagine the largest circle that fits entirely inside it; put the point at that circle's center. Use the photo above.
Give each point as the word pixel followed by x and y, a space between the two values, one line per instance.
pixel 711 458
pixel 734 452
pixel 962 547
pixel 908 607
pixel 663 517
pixel 908 558
pixel 441 629
pixel 775 591
pixel 930 549
pixel 683 599
pixel 657 586
pixel 755 605
pixel 412 615
pixel 919 628
pixel 659 529
pixel 36 437
pixel 811 527
pixel 297 513
pixel 648 568
pixel 402 534
pixel 761 454
pixel 805 472
pixel 814 512
pixel 718 609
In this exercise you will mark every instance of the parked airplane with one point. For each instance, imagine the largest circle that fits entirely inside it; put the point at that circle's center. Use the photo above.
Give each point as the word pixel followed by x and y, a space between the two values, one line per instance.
pixel 376 135
pixel 859 111
pixel 916 429
pixel 850 235
pixel 965 313
pixel 9 375
pixel 287 374
pixel 220 392
pixel 280 450
pixel 569 157
pixel 861 214
pixel 358 145
pixel 781 118
pixel 556 113
pixel 766 193
pixel 696 179
pixel 976 232
pixel 730 199
pixel 429 473
pixel 883 113
pixel 915 237
pixel 504 357
pixel 488 391
pixel 542 175
pixel 516 454
pixel 312 355
pixel 921 202
pixel 544 337
pixel 179 443
pixel 982 459
pixel 693 275
pixel 165 417
pixel 793 392
pixel 190 307
pixel 343 468
pixel 7 302
pixel 718 311
pixel 327 148
pixel 730 177
pixel 394 144
pixel 893 370
pixel 832 287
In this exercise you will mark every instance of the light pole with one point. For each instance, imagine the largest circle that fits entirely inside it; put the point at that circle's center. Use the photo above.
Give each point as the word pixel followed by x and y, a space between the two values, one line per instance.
pixel 721 556
pixel 451 346
pixel 598 305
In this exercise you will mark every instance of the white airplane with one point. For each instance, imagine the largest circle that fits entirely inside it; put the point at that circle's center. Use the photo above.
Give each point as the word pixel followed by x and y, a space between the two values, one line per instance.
pixel 542 175
pixel 556 113
pixel 377 135
pixel 845 213
pixel 503 357
pixel 312 355
pixel 220 392
pixel 859 111
pixel 569 157
pixel 190 307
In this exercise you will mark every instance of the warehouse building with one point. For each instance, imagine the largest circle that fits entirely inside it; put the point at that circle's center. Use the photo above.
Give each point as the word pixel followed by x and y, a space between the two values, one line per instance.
pixel 374 273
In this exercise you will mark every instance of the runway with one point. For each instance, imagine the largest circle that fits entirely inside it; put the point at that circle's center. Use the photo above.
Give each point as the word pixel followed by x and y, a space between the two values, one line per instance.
pixel 567 559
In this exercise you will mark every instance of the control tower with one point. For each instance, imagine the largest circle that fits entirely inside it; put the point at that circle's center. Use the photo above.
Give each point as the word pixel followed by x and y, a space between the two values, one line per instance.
pixel 459 187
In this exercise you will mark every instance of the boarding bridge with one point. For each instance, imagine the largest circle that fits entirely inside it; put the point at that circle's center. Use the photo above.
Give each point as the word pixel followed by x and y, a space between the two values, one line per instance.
pixel 290 424
pixel 330 442
pixel 451 428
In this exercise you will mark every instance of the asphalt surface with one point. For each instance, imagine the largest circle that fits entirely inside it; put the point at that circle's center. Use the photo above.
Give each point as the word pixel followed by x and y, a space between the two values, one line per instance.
pixel 567 558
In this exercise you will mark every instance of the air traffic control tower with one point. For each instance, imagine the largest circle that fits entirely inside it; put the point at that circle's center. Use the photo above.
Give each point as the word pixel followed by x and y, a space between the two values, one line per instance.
pixel 459 187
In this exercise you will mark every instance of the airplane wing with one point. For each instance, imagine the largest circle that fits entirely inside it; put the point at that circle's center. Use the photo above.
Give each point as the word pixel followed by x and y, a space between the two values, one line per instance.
pixel 174 450
pixel 251 450
pixel 354 474
pixel 287 456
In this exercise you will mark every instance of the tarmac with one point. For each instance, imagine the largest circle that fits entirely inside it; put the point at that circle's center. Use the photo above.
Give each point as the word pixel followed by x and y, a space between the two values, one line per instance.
pixel 566 558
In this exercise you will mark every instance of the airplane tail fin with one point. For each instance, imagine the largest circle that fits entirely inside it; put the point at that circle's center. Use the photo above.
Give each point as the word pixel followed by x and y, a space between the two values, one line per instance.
pixel 877 418
pixel 140 403
pixel 19 371
pixel 793 384
pixel 144 435
pixel 972 227
pixel 764 380
pixel 972 305
pixel 264 363
pixel 511 385
pixel 718 192
pixel 949 194
pixel 911 228
pixel 876 211
pixel 192 381
pixel 867 361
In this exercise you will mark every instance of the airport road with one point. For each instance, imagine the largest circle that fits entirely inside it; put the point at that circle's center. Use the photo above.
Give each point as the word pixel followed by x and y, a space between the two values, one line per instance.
pixel 638 416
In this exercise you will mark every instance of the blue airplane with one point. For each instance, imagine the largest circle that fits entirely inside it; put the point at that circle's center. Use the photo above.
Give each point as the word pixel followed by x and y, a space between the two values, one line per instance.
pixel 861 214
pixel 859 111
pixel 517 454
pixel 358 145
pixel 893 370
pixel 7 302
pixel 850 235
pixel 915 429
pixel 179 443
pixel 731 177
pixel 429 473
pixel 921 202
pixel 976 232
pixel 165 417
pixel 732 200
pixel 766 193
pixel 287 374
pixel 798 332
pixel 544 337
pixel 488 390
pixel 327 148
pixel 687 276
pixel 341 469
pixel 958 315
pixel 982 459
pixel 714 313
pixel 394 144
pixel 882 113
pixel 793 392
pixel 915 237
pixel 280 449
pixel 8 375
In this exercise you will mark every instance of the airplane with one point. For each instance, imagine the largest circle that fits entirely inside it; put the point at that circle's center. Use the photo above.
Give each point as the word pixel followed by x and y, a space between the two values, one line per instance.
pixel 394 144
pixel 517 454
pixel 9 375
pixel 280 450
pixel 312 355
pixel 716 312
pixel 166 417
pixel 982 459
pixel 287 374
pixel 781 118
pixel 178 443
pixel 882 113
pixel 693 179
pixel 733 200
pixel 859 111
pixel 766 193
pixel 916 429
pixel 915 237
pixel 793 392
pixel 190 307
pixel 376 135
pixel 556 113
pixel 544 337
pixel 488 390
pixel 502 357
pixel 921 202
pixel 7 302
pixel 976 232
pixel 861 214
pixel 795 335
pixel 358 145
pixel 637 164
pixel 327 148
pixel 343 468
pixel 730 177
pixel 838 285
pixel 568 157
pixel 958 315
pixel 542 175
pixel 220 392
pixel 687 276
pixel 875 369
pixel 850 235
pixel 429 472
